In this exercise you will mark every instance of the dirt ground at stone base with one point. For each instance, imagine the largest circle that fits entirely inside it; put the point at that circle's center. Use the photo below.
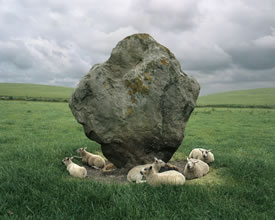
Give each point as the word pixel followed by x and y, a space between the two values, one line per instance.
pixel 120 175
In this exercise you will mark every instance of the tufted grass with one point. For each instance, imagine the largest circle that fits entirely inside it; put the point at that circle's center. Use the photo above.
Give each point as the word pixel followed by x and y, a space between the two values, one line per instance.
pixel 34 184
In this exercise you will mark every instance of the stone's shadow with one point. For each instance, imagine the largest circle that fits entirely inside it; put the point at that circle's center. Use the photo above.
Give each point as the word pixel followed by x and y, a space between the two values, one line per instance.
pixel 120 175
pixel 216 176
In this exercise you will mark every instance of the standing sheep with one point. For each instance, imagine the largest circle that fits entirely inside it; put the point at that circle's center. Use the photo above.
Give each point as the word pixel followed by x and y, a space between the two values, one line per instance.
pixel 92 160
pixel 134 174
pixel 202 154
pixel 74 169
pixel 195 168
pixel 171 177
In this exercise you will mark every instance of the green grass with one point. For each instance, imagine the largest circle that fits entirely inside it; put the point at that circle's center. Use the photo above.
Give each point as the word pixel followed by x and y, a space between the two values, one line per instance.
pixel 34 184
pixel 34 92
pixel 243 98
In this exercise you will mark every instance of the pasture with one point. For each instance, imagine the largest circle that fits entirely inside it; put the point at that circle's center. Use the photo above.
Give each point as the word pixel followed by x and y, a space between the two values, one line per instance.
pixel 263 98
pixel 34 92
pixel 34 184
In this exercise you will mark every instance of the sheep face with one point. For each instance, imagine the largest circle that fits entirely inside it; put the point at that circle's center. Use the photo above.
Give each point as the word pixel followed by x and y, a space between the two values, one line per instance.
pixel 81 150
pixel 146 171
pixel 67 160
pixel 191 164
pixel 159 162
pixel 205 154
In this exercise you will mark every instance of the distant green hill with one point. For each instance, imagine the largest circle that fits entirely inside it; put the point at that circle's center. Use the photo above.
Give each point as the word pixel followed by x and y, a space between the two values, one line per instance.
pixel 242 98
pixel 264 98
pixel 34 92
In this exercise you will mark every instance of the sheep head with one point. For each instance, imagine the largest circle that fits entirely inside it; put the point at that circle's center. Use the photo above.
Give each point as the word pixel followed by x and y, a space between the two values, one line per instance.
pixel 67 160
pixel 205 153
pixel 81 150
pixel 159 162
pixel 191 163
pixel 146 171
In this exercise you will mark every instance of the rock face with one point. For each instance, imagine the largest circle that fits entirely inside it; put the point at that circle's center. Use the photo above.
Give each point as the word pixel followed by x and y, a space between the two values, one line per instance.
pixel 137 103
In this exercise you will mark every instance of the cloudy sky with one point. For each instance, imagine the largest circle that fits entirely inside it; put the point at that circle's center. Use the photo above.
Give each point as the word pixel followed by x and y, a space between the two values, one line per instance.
pixel 225 45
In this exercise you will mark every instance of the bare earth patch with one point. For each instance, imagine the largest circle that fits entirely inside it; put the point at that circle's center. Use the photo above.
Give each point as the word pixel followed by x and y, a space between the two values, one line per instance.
pixel 120 175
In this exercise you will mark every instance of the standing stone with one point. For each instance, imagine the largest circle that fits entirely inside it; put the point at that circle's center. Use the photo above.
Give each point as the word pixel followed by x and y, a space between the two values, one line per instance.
pixel 137 103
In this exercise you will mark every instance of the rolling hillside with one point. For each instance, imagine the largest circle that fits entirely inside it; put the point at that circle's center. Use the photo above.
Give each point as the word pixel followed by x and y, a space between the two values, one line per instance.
pixel 242 98
pixel 34 92
pixel 263 98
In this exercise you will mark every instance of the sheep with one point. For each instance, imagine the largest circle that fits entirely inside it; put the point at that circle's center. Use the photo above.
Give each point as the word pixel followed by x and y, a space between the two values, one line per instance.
pixel 134 174
pixel 74 169
pixel 195 168
pixel 92 160
pixel 202 154
pixel 171 177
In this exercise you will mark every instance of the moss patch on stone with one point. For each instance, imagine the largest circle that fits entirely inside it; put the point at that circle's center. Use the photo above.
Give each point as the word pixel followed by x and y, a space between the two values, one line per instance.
pixel 147 76
pixel 164 62
pixel 129 110
pixel 136 86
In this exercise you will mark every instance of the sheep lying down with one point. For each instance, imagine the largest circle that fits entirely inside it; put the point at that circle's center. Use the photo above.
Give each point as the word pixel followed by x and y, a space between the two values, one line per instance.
pixel 202 154
pixel 171 177
pixel 134 174
pixel 93 160
pixel 195 168
pixel 74 169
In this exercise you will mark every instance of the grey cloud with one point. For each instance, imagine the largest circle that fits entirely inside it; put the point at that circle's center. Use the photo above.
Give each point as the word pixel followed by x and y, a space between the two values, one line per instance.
pixel 166 16
pixel 246 76
pixel 253 58
pixel 206 59
pixel 177 17
pixel 15 53
pixel 254 17
pixel 258 54
pixel 235 78
pixel 225 45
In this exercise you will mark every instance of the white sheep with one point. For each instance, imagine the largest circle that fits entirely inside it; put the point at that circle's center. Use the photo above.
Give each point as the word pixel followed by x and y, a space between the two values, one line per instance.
pixel 134 174
pixel 74 169
pixel 202 154
pixel 93 160
pixel 195 168
pixel 171 177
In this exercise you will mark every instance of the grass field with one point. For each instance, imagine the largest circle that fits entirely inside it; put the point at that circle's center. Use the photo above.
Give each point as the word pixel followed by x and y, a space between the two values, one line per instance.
pixel 34 92
pixel 34 184
pixel 250 98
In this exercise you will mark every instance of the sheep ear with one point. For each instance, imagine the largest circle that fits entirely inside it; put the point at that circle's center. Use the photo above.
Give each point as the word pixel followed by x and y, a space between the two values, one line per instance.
pixel 85 148
pixel 188 159
pixel 150 168
pixel 209 150
pixel 196 161
pixel 71 158
pixel 155 159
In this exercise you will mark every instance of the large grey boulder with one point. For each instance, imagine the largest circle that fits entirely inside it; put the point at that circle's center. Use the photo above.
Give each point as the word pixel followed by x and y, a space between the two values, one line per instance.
pixel 137 103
